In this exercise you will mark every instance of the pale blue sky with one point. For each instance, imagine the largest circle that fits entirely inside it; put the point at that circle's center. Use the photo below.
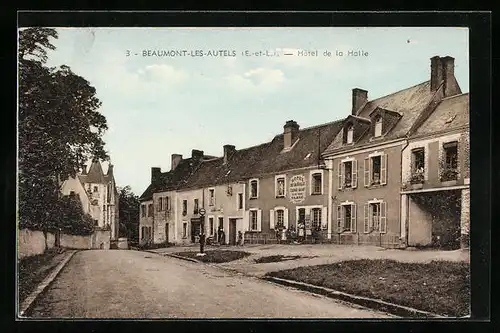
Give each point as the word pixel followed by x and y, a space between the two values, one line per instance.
pixel 157 106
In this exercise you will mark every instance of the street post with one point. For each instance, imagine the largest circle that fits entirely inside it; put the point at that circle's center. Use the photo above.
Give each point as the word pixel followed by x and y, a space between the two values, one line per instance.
pixel 202 234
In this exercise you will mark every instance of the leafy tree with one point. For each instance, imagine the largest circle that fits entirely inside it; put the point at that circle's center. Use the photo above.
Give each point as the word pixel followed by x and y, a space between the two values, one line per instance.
pixel 59 128
pixel 129 214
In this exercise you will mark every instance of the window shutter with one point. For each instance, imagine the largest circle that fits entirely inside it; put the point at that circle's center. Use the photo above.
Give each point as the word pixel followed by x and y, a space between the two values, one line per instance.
pixel 339 218
pixel 271 219
pixel 324 218
pixel 354 174
pixel 367 218
pixel 367 171
pixel 353 217
pixel 383 219
pixel 339 175
pixel 246 220
pixel 285 218
pixel 383 169
pixel 259 220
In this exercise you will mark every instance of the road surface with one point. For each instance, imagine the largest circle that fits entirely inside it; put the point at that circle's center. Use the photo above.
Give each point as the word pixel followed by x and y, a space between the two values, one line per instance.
pixel 133 284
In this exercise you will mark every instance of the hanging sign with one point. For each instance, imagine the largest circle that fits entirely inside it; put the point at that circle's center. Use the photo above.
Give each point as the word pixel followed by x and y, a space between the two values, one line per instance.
pixel 297 189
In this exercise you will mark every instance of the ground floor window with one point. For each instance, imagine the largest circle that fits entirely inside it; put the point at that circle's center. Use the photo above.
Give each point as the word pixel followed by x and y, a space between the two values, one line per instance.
pixel 280 219
pixel 211 224
pixel 346 217
pixel 375 217
pixel 316 218
pixel 184 229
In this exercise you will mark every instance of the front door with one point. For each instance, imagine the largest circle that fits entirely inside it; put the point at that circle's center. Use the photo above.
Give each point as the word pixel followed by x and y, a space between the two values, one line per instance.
pixel 166 232
pixel 232 231
pixel 195 231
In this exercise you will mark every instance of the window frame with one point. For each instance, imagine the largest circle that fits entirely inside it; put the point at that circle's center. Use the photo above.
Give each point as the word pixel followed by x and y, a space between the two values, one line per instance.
pixel 311 182
pixel 349 131
pixel 378 123
pixel 242 196
pixel 256 180
pixel 196 205
pixel 319 222
pixel 276 188
pixel 256 213
pixel 150 210
pixel 184 207
pixel 382 218
pixel 184 229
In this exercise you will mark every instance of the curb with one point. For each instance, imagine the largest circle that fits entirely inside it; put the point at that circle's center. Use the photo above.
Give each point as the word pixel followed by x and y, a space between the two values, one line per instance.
pixel 399 310
pixel 181 258
pixel 30 300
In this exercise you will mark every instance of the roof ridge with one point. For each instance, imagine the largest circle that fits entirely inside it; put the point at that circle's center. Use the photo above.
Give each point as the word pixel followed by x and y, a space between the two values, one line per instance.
pixel 399 91
pixel 455 96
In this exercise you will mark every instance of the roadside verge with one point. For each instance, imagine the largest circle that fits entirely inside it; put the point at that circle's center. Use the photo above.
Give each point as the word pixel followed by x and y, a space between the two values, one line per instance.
pixel 25 306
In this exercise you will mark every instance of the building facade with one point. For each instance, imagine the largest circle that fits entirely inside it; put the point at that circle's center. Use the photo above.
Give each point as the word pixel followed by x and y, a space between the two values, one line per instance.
pixel 98 194
pixel 367 155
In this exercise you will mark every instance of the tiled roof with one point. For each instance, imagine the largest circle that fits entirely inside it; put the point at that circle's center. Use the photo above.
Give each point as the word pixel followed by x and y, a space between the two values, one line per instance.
pixel 452 112
pixel 409 103
pixel 95 174
pixel 266 158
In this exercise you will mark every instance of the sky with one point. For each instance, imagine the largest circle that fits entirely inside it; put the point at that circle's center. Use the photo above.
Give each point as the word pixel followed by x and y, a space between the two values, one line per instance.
pixel 157 104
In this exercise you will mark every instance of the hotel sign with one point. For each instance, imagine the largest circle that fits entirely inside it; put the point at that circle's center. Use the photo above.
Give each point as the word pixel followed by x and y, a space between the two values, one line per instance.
pixel 297 189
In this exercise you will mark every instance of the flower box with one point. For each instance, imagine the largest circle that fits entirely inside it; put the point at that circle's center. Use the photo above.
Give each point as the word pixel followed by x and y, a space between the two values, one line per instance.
pixel 449 175
pixel 417 178
pixel 417 186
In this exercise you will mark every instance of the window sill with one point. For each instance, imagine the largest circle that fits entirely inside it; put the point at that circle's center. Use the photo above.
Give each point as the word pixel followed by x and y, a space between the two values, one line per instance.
pixel 374 186
pixel 280 197
pixel 317 193
pixel 253 198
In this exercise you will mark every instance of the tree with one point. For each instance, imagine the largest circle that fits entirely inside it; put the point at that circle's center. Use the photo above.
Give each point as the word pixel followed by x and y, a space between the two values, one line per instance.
pixel 129 214
pixel 59 128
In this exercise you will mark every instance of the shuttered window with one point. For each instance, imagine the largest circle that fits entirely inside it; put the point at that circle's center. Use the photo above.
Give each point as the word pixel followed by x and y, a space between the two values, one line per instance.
pixel 375 217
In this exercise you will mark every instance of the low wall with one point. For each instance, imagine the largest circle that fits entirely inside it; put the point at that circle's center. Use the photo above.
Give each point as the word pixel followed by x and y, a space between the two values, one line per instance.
pixel 32 242
pixel 123 243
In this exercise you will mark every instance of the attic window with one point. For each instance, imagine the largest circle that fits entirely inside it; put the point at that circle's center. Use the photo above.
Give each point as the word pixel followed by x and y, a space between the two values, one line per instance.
pixel 307 156
pixel 378 126
pixel 350 133
pixel 450 119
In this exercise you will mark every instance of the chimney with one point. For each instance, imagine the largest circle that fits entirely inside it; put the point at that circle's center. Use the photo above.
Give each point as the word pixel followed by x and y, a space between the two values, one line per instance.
pixel 290 133
pixel 228 150
pixel 155 175
pixel 359 98
pixel 110 170
pixel 436 73
pixel 196 154
pixel 84 169
pixel 176 159
pixel 443 70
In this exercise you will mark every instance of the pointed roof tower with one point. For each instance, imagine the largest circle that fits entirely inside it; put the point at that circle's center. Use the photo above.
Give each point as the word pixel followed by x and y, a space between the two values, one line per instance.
pixel 95 174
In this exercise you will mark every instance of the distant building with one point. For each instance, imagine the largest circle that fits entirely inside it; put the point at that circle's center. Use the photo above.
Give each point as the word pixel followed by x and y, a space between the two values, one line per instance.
pixel 98 195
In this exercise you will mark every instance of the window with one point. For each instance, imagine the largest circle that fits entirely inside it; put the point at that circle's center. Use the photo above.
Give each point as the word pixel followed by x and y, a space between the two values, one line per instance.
pixel 195 209
pixel 302 215
pixel 167 203
pixel 254 188
pixel 253 220
pixel 184 230
pixel 240 200
pixel 317 183
pixel 150 210
pixel 143 210
pixel 378 126
pixel 95 188
pixel 280 219
pixel 348 174
pixel 449 169
pixel 160 204
pixel 417 167
pixel 375 169
pixel 316 218
pixel 221 222
pixel 184 207
pixel 280 187
pixel 350 134
pixel 96 222
pixel 375 217
pixel 211 225
pixel 211 199
pixel 346 217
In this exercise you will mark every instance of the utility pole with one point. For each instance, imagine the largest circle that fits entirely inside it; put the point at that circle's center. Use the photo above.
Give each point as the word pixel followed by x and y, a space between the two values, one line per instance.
pixel 202 224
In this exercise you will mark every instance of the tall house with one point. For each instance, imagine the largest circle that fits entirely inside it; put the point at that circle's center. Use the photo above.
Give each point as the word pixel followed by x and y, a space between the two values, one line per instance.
pixel 367 157
pixel 98 194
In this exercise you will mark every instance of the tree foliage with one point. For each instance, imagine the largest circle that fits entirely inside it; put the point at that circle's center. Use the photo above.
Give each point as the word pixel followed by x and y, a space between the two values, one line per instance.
pixel 129 213
pixel 59 128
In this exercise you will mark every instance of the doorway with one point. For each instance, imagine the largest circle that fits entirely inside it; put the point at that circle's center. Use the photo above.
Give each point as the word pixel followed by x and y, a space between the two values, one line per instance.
pixel 195 230
pixel 166 233
pixel 232 231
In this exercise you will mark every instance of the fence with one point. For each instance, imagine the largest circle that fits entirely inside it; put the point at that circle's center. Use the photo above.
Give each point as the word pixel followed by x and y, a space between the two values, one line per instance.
pixel 382 240
pixel 32 242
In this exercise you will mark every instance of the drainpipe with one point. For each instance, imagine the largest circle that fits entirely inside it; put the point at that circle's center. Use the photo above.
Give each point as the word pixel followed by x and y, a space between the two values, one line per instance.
pixel 407 199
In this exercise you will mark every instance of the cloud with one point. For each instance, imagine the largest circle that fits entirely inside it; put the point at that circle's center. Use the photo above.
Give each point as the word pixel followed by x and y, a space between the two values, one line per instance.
pixel 264 76
pixel 162 73
pixel 257 80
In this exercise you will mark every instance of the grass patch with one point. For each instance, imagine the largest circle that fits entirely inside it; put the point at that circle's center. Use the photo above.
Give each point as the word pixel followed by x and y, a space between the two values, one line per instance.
pixel 439 287
pixel 215 256
pixel 277 258
pixel 32 270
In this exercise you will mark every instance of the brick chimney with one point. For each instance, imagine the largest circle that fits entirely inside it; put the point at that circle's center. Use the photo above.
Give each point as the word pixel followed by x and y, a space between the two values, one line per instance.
pixel 228 151
pixel 359 98
pixel 155 175
pixel 176 159
pixel 197 154
pixel 290 133
pixel 443 71
pixel 110 170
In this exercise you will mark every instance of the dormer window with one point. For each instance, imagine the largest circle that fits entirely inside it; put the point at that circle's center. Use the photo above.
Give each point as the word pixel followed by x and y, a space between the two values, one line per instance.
pixel 378 126
pixel 350 134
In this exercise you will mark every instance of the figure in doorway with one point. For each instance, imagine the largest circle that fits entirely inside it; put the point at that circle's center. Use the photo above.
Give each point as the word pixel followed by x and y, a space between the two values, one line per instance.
pixel 240 238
